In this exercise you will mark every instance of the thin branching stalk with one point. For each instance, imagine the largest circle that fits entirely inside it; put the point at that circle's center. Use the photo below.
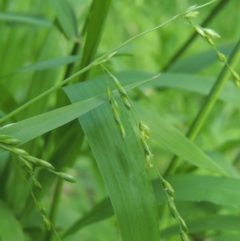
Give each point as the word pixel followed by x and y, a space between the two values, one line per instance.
pixel 208 105
pixel 97 61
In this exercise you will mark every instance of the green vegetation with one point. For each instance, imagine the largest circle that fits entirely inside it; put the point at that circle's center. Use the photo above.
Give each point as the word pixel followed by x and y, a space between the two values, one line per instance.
pixel 119 120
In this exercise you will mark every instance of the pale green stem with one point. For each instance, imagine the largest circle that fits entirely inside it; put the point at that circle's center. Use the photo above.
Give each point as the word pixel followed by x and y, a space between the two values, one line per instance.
pixel 208 105
pixel 54 207
pixel 94 63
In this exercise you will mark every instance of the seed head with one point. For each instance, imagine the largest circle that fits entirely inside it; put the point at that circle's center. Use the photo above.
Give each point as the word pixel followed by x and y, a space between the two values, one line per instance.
pixel 199 30
pixel 10 141
pixel 67 177
pixel 222 57
pixel 173 209
pixel 145 130
pixel 27 166
pixel 184 236
pixel 37 185
pixel 46 222
pixel 235 75
pixel 210 41
pixel 168 188
pixel 109 93
pixel 122 130
pixel 192 14
pixel 126 102
pixel 116 116
pixel 19 151
pixel 4 137
pixel 146 147
pixel 38 162
pixel 183 225
pixel 211 33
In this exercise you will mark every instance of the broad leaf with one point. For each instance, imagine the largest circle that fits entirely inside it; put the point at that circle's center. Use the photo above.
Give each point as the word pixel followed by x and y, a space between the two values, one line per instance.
pixel 122 165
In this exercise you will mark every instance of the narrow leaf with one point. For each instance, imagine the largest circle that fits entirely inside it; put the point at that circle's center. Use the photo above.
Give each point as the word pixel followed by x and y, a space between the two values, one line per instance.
pixel 66 18
pixel 51 63
pixel 25 19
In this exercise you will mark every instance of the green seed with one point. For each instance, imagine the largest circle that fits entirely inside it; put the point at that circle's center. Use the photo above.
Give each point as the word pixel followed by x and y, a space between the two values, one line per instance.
pixel 121 90
pixel 19 151
pixel 145 130
pixel 46 222
pixel 235 75
pixel 146 147
pixel 40 208
pixel 114 104
pixel 184 236
pixel 126 102
pixel 38 162
pixel 67 177
pixel 37 185
pixel 10 141
pixel 26 166
pixel 237 83
pixel 191 14
pixel 210 41
pixel 173 209
pixel 199 30
pixel 109 94
pixel 168 188
pixel 122 130
pixel 116 116
pixel 183 225
pixel 211 33
pixel 222 57
pixel 4 137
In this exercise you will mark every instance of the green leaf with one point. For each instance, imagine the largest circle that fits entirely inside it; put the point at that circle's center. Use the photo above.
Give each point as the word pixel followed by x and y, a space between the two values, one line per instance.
pixel 66 18
pixel 199 61
pixel 195 83
pixel 201 224
pixel 188 188
pixel 51 63
pixel 95 26
pixel 122 166
pixel 24 18
pixel 177 143
pixel 10 229
pixel 33 127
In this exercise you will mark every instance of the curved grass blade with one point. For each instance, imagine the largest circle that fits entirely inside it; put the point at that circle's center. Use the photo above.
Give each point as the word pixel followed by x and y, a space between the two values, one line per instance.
pixel 51 63
pixel 33 127
pixel 177 143
pixel 10 229
pixel 24 19
pixel 66 18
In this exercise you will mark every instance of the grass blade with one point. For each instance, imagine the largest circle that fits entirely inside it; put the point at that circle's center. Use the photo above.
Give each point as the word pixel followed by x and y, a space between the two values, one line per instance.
pixel 51 63
pixel 24 19
pixel 66 18
pixel 95 28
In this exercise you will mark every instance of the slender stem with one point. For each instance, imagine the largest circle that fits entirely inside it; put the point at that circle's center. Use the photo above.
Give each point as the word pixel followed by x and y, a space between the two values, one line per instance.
pixel 54 207
pixel 94 63
pixel 208 105
pixel 205 22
